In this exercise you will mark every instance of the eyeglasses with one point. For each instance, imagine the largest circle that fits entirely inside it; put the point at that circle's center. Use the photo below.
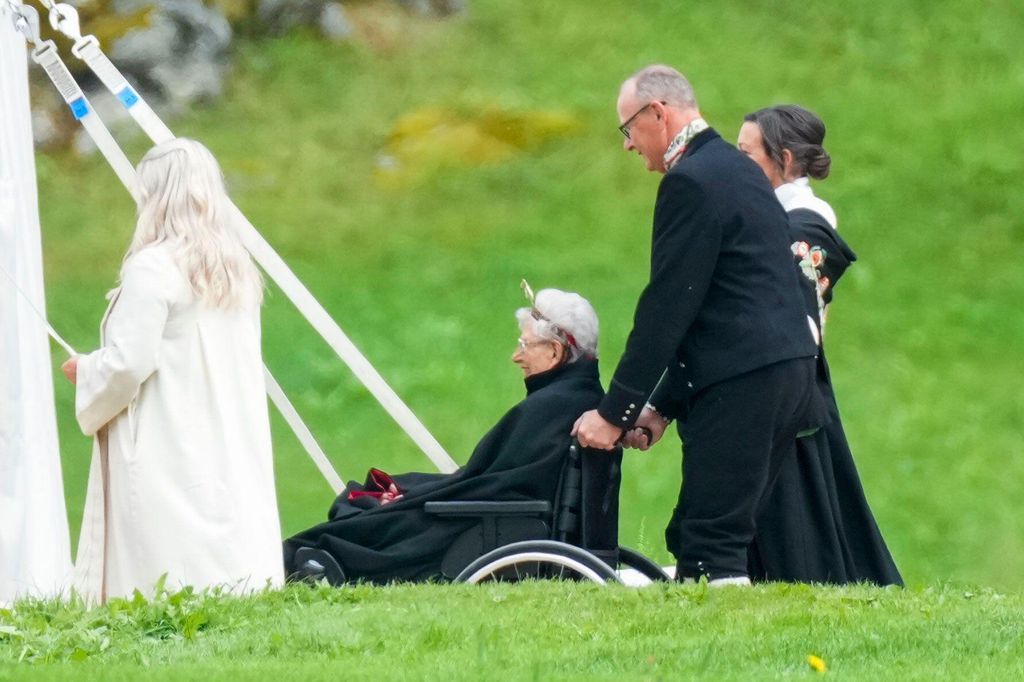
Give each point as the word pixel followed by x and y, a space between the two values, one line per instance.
pixel 523 345
pixel 624 128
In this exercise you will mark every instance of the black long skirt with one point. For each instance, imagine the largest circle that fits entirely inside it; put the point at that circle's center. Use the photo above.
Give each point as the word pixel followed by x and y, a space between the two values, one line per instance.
pixel 816 525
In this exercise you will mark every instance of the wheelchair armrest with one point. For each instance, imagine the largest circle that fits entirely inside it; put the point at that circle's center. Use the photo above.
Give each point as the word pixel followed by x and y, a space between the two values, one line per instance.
pixel 491 525
pixel 482 508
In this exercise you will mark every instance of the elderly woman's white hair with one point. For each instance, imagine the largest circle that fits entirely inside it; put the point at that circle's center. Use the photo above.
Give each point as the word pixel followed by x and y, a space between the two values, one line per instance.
pixel 565 317
pixel 182 203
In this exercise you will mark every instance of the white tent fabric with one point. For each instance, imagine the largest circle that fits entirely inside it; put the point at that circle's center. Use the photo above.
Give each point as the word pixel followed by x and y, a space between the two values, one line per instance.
pixel 35 554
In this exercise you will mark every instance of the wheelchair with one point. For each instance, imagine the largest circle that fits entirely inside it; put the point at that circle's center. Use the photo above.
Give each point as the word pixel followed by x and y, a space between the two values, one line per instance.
pixel 574 538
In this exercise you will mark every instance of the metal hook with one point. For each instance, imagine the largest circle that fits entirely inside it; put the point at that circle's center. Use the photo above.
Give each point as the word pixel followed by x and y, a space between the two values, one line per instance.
pixel 27 22
pixel 64 18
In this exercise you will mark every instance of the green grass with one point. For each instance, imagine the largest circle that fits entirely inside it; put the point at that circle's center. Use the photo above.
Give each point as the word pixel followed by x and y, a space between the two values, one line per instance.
pixel 921 100
pixel 531 631
pixel 925 335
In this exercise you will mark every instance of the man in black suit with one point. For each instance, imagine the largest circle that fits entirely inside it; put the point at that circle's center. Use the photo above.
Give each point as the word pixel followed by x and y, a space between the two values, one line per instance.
pixel 721 324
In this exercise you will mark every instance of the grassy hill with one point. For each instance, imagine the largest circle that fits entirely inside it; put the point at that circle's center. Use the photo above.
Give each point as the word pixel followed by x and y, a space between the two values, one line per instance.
pixel 419 259
pixel 413 177
pixel 416 242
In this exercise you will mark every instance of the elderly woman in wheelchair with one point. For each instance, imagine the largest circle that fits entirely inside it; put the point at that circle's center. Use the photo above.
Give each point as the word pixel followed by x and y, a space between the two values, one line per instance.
pixel 523 488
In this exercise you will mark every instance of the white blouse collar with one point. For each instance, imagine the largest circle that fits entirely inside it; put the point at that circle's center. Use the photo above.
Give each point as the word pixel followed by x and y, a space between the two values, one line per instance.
pixel 798 194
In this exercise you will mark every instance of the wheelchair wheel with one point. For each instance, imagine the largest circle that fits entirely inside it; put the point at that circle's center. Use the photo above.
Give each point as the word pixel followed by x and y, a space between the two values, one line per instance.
pixel 538 559
pixel 629 558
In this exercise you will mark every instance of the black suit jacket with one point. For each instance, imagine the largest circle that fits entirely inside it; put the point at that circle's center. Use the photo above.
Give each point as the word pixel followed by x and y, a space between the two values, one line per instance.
pixel 723 298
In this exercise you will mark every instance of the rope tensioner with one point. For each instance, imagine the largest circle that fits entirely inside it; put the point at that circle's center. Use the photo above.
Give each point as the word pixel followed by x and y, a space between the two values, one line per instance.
pixel 64 18
pixel 45 54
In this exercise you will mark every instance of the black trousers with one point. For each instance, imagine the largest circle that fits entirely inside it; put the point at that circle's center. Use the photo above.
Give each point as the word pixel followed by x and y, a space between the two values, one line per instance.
pixel 736 436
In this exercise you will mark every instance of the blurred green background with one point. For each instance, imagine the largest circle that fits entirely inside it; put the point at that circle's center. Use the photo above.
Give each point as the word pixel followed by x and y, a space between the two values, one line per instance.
pixel 413 176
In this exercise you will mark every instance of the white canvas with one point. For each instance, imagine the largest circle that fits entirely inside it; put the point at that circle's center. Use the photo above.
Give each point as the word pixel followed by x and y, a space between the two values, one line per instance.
pixel 34 548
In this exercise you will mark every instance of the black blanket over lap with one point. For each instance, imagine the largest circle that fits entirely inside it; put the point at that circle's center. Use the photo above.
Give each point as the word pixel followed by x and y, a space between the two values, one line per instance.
pixel 519 459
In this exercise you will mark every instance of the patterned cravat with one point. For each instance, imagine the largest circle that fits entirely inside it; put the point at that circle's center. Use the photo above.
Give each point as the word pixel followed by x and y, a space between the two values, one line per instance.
pixel 678 146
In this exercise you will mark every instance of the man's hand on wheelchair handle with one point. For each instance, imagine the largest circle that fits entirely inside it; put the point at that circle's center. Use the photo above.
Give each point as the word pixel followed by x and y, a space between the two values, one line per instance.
pixel 592 431
pixel 648 430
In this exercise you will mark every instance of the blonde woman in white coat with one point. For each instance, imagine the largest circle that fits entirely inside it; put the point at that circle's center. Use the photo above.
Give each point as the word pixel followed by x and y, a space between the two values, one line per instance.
pixel 182 479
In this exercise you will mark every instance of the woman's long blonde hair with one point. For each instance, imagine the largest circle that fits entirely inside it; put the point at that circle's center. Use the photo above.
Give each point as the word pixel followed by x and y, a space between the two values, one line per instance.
pixel 182 203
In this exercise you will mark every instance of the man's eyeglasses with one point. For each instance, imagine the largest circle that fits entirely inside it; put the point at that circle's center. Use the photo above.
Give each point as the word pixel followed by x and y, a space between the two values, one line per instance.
pixel 624 128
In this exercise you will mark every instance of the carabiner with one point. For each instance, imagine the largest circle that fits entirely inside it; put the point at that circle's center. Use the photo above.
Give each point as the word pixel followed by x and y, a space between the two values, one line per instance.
pixel 64 18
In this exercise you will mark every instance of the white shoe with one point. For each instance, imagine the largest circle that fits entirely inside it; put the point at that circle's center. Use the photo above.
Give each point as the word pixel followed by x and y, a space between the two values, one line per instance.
pixel 739 580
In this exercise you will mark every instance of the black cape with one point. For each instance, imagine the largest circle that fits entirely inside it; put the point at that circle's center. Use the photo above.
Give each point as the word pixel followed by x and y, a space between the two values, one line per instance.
pixel 521 458
pixel 816 525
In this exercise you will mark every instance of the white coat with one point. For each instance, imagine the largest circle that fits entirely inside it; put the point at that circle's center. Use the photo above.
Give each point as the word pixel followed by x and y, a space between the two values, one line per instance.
pixel 181 481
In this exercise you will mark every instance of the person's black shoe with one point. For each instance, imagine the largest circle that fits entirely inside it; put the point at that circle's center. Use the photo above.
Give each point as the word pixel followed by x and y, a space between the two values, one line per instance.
pixel 316 564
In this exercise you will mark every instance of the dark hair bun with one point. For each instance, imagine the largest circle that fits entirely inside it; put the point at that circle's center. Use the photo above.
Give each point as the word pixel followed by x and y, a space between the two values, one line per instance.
pixel 818 164
pixel 798 130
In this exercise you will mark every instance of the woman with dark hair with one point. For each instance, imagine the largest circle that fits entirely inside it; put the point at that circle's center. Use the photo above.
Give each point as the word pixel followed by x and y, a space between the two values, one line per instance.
pixel 816 525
